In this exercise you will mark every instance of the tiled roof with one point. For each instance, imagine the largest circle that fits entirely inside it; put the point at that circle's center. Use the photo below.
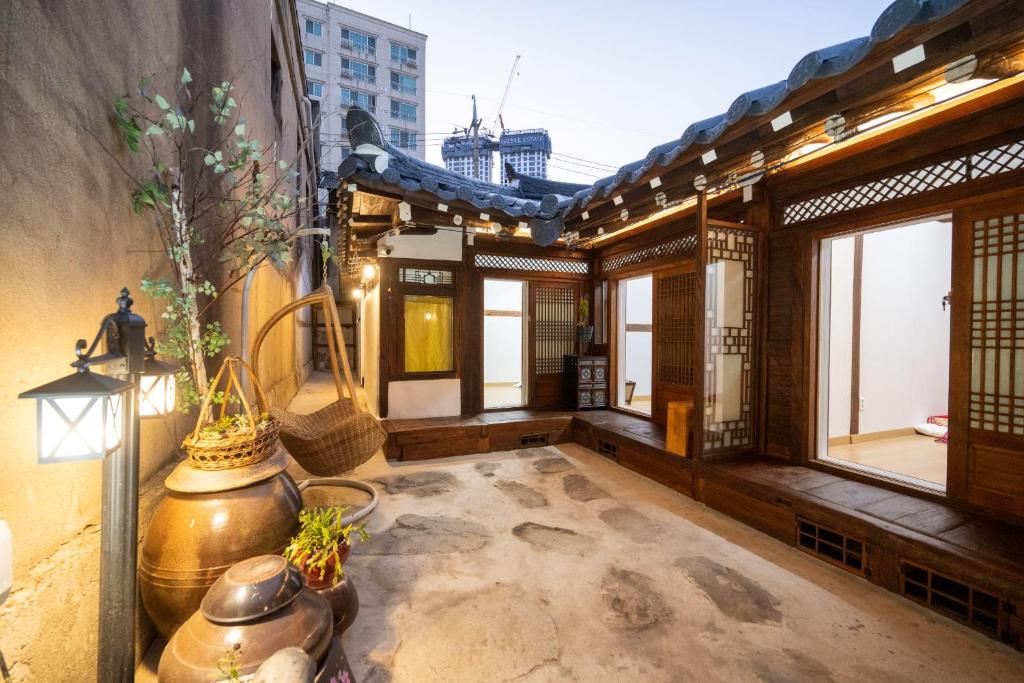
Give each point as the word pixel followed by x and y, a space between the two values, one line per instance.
pixel 535 197
pixel 823 63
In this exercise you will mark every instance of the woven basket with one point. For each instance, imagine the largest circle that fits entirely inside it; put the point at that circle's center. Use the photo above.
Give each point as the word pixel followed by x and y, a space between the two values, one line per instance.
pixel 237 449
pixel 332 440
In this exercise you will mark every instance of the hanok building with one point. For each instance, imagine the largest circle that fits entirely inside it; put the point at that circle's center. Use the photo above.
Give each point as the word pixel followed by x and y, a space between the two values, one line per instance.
pixel 777 298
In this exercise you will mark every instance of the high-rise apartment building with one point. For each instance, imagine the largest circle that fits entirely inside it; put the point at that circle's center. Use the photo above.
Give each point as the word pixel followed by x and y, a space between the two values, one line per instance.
pixel 355 59
pixel 458 154
pixel 526 151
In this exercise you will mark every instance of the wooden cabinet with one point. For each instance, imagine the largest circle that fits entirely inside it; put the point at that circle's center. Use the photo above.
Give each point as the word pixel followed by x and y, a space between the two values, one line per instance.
pixel 585 382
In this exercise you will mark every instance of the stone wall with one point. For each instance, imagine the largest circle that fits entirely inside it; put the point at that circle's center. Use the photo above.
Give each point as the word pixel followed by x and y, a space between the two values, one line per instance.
pixel 70 242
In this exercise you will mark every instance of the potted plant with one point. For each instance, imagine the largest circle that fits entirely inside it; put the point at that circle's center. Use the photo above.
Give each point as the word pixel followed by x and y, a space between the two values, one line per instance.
pixel 323 544
pixel 584 330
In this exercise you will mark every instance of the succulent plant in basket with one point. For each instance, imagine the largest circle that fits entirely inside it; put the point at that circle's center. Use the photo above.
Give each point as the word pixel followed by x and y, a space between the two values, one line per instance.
pixel 323 544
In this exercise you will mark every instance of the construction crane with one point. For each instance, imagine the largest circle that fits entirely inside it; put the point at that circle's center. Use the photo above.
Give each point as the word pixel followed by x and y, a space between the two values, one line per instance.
pixel 498 121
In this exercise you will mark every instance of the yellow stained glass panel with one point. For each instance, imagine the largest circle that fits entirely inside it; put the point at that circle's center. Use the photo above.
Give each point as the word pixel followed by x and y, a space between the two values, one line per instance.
pixel 428 333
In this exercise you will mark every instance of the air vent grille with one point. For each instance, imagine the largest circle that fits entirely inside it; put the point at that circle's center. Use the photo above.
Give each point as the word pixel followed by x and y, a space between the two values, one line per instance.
pixel 951 597
pixel 832 546
pixel 539 439
pixel 607 449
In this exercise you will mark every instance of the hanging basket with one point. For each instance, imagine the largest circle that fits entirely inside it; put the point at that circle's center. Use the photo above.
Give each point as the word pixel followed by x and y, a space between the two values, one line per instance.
pixel 250 439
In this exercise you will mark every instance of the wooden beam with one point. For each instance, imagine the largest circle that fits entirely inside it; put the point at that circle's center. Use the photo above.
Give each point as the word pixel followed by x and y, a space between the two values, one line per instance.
pixel 858 279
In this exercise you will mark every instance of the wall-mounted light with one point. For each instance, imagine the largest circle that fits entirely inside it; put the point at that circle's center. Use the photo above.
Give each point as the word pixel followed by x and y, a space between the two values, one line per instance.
pixel 369 271
pixel 357 293
pixel 79 417
pixel 89 416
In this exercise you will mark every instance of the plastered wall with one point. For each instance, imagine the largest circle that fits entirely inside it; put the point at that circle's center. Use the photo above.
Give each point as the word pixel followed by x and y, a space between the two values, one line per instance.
pixel 70 242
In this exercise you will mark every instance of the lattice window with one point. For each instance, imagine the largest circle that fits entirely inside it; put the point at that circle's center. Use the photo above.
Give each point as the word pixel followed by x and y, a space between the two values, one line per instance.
pixel 990 162
pixel 542 265
pixel 427 276
pixel 997 326
pixel 684 246
pixel 729 339
pixel 676 307
pixel 554 328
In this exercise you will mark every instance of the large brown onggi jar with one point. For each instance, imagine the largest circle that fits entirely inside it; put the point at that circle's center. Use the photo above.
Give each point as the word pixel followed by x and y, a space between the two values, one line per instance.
pixel 208 521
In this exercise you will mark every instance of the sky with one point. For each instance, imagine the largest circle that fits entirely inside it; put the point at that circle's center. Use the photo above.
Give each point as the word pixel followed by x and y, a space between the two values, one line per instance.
pixel 609 80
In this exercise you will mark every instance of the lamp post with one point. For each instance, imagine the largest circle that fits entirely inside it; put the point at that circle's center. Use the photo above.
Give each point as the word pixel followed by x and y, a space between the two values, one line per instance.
pixel 88 416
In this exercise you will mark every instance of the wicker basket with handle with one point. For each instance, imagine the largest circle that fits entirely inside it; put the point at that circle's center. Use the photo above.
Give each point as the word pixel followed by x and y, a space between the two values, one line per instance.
pixel 219 450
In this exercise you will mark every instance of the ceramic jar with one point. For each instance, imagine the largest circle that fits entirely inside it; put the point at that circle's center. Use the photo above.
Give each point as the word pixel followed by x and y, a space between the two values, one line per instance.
pixel 344 601
pixel 208 521
pixel 258 607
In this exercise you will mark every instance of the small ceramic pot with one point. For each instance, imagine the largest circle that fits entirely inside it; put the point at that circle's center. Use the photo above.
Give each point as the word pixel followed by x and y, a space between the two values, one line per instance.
pixel 317 578
pixel 344 602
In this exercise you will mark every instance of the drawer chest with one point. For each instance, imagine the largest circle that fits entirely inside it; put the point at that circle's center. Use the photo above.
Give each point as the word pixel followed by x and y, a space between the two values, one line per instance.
pixel 585 383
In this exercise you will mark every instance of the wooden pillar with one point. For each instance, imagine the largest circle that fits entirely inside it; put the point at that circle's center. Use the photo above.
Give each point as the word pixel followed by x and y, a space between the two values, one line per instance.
pixel 700 351
pixel 759 215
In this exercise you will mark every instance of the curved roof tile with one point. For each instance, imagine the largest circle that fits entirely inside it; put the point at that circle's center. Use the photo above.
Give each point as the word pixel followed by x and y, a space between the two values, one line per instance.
pixel 544 200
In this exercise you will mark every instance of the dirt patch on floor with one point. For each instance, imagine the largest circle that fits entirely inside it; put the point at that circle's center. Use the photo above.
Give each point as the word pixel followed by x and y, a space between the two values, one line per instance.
pixel 420 484
pixel 554 538
pixel 581 489
pixel 553 465
pixel 522 494
pixel 633 524
pixel 419 535
pixel 499 633
pixel 487 468
pixel 631 601
pixel 792 667
pixel 734 594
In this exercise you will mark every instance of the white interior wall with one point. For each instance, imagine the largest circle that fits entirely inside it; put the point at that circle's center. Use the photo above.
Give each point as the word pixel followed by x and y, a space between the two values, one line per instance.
pixel 904 356
pixel 904 342
pixel 637 347
pixel 503 335
pixel 434 397
pixel 840 333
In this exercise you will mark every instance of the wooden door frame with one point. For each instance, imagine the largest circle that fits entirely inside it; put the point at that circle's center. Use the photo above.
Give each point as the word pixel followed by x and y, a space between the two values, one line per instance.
pixel 810 239
pixel 481 276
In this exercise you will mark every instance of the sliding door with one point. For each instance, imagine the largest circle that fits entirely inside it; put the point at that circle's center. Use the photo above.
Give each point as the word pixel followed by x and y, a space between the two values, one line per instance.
pixel 986 437
pixel 675 340
pixel 553 316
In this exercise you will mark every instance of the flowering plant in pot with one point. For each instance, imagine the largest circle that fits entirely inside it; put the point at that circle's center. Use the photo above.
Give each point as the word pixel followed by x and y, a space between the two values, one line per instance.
pixel 323 544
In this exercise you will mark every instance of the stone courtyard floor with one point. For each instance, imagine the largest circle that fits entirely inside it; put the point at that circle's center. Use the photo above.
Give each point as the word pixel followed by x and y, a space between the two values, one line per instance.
pixel 555 564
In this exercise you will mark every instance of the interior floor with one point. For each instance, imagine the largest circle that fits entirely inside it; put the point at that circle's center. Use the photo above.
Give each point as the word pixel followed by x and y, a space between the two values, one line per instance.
pixel 502 396
pixel 915 455
pixel 639 405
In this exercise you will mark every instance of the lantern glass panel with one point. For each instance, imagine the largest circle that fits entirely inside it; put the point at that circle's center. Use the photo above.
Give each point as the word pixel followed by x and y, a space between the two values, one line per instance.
pixel 79 427
pixel 156 395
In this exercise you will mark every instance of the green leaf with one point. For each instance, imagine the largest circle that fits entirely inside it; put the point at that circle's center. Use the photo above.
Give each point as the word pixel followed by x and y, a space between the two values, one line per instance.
pixel 186 77
pixel 191 125
pixel 282 164
pixel 161 102
pixel 209 160
pixel 154 130
pixel 240 129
